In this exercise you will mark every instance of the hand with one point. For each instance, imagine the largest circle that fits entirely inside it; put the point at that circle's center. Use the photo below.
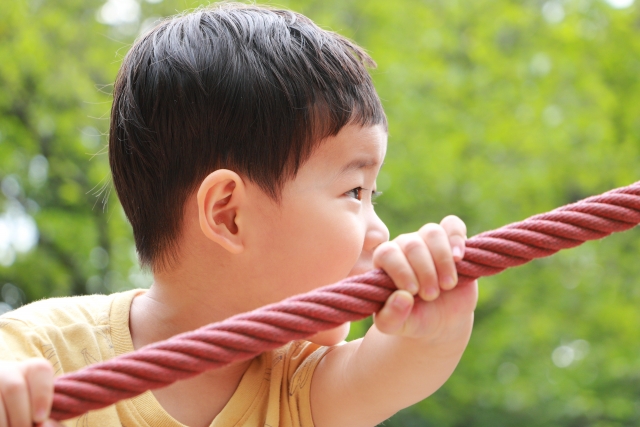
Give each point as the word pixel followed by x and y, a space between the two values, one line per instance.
pixel 331 337
pixel 423 264
pixel 26 393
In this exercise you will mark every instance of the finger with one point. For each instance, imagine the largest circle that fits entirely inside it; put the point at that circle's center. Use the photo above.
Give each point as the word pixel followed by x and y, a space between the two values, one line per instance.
pixel 3 414
pixel 39 378
pixel 389 257
pixel 462 299
pixel 391 318
pixel 331 337
pixel 456 229
pixel 16 398
pixel 419 258
pixel 438 244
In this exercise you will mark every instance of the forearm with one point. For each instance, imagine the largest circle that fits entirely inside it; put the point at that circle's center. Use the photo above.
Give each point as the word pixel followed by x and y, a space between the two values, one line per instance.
pixel 381 374
pixel 395 372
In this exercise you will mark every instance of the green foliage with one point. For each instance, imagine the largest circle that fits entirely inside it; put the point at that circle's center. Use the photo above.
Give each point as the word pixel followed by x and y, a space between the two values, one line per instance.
pixel 498 110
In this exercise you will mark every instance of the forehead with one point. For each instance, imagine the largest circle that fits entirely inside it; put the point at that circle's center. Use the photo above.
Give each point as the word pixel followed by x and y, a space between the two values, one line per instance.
pixel 354 147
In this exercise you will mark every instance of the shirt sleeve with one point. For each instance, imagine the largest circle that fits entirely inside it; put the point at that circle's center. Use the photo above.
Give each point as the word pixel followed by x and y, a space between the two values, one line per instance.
pixel 301 360
pixel 18 341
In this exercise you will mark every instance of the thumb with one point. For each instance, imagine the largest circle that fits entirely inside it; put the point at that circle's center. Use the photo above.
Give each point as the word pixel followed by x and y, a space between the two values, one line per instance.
pixel 50 423
pixel 391 318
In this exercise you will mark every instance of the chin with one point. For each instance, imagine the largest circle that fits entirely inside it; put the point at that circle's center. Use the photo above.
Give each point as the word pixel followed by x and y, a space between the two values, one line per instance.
pixel 356 271
pixel 360 268
pixel 331 337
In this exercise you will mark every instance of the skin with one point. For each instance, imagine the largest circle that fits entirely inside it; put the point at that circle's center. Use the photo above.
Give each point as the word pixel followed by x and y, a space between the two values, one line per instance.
pixel 325 229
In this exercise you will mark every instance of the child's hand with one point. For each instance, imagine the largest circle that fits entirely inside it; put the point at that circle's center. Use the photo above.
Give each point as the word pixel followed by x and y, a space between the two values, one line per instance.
pixel 26 393
pixel 415 345
pixel 423 264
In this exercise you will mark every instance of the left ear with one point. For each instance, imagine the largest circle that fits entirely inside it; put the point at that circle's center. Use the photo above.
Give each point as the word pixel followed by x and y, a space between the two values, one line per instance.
pixel 220 198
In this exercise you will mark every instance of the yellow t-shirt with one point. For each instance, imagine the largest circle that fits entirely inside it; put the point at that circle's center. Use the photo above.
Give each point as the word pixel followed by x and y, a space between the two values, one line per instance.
pixel 77 331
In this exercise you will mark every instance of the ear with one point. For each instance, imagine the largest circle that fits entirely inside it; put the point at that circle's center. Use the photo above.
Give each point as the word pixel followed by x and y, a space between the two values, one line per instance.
pixel 220 198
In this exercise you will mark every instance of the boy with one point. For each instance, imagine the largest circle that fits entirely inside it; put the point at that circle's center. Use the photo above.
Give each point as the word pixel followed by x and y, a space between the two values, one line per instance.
pixel 245 144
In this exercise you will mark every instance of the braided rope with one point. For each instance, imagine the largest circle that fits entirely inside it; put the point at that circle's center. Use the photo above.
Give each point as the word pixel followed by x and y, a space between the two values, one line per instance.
pixel 245 336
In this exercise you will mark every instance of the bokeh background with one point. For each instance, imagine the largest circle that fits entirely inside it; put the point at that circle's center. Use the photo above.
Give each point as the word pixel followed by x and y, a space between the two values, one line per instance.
pixel 498 109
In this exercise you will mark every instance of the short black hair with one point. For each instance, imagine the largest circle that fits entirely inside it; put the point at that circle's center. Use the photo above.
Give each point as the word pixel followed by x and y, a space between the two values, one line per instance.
pixel 249 88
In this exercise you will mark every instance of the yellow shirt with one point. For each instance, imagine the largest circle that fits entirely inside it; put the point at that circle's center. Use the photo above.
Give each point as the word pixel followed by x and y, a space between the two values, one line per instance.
pixel 77 331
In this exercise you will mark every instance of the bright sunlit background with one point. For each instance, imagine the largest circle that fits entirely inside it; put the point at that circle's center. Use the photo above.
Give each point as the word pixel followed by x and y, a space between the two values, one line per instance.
pixel 498 109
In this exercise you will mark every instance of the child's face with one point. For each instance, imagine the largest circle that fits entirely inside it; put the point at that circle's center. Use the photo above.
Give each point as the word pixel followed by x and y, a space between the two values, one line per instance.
pixel 325 227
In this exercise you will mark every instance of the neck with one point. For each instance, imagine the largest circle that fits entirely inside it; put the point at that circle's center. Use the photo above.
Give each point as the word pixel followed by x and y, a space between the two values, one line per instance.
pixel 174 305
pixel 197 291
pixel 208 285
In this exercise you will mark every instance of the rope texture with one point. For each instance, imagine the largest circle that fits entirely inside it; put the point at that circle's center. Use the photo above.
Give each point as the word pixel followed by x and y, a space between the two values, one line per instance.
pixel 245 336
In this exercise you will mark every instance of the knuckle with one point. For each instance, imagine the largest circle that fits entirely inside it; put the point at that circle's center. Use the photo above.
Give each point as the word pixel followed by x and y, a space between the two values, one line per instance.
pixel 428 274
pixel 459 240
pixel 382 325
pixel 40 366
pixel 404 276
pixel 442 256
pixel 455 223
pixel 402 239
pixel 428 282
pixel 412 244
pixel 384 321
pixel 452 219
pixel 13 385
pixel 431 231
pixel 385 250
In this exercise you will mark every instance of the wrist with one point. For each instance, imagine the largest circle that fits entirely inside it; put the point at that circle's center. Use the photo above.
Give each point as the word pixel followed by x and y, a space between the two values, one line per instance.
pixel 449 341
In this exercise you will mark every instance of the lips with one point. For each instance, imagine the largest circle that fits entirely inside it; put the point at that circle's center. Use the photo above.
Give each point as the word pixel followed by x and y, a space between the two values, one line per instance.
pixel 361 267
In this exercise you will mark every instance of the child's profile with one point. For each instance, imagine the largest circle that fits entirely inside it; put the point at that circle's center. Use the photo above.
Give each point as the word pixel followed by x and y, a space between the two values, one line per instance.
pixel 245 144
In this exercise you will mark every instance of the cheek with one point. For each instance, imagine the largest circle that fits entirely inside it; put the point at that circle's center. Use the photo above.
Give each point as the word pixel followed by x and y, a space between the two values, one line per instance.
pixel 325 244
pixel 337 248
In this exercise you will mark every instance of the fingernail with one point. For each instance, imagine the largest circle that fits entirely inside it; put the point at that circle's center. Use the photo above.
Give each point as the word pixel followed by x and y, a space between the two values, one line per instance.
pixel 448 282
pixel 41 415
pixel 430 294
pixel 457 252
pixel 400 303
pixel 412 288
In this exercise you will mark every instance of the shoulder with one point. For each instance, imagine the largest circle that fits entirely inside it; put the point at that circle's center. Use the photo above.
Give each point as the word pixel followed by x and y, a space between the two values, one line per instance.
pixel 291 371
pixel 298 352
pixel 75 330
pixel 299 360
pixel 61 312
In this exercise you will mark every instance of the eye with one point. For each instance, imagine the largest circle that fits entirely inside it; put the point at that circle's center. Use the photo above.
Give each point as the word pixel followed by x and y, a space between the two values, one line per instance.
pixel 356 193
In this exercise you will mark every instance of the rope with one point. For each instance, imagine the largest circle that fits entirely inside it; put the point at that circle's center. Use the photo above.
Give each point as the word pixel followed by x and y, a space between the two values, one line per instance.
pixel 245 336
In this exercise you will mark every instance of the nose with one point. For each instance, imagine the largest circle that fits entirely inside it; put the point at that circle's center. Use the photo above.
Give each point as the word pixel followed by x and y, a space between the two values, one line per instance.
pixel 377 232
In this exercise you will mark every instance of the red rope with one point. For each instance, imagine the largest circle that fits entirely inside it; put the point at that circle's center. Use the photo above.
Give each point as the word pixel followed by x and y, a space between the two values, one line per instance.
pixel 247 335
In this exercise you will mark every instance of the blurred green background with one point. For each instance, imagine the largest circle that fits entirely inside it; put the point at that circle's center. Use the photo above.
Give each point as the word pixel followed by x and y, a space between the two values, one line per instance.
pixel 498 110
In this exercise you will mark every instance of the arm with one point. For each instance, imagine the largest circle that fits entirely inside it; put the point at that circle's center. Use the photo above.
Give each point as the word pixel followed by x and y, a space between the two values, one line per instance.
pixel 26 393
pixel 413 347
pixel 26 378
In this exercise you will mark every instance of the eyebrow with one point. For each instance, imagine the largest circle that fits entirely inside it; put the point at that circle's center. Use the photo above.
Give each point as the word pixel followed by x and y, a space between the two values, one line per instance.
pixel 359 164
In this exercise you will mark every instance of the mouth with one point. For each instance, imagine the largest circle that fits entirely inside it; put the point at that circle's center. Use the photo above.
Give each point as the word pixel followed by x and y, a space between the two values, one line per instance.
pixel 356 273
pixel 360 268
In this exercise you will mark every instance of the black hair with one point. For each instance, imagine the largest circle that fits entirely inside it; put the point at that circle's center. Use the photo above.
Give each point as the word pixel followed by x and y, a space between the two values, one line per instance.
pixel 247 88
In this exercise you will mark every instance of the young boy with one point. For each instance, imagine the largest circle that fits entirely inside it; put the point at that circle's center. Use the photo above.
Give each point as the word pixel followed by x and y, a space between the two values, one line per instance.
pixel 245 144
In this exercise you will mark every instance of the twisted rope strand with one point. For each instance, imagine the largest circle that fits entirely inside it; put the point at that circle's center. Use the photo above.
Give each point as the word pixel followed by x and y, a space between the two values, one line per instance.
pixel 246 335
